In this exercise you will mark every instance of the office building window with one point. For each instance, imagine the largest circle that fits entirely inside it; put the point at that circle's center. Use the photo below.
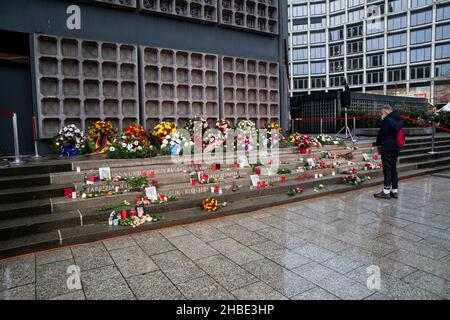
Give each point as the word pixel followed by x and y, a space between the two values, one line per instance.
pixel 318 83
pixel 336 50
pixel 317 37
pixel 300 11
pixel 420 3
pixel 443 13
pixel 420 72
pixel 318 67
pixel 375 44
pixel 397 57
pixel 300 54
pixel 354 63
pixel 355 31
pixel 354 3
pixel 375 61
pixel 442 70
pixel 421 36
pixel 336 65
pixel 318 22
pixel 337 20
pixel 442 51
pixel 443 32
pixel 355 16
pixel 355 79
pixel 397 40
pixel 300 69
pixel 421 54
pixel 337 5
pixel 300 24
pixel 422 17
pixel 396 75
pixel 336 81
pixel 398 5
pixel 318 52
pixel 300 84
pixel 375 77
pixel 317 9
pixel 336 35
pixel 375 26
pixel 354 47
pixel 299 39
pixel 397 23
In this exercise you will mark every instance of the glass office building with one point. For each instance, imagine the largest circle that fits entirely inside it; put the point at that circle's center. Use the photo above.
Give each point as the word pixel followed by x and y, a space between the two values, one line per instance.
pixel 392 47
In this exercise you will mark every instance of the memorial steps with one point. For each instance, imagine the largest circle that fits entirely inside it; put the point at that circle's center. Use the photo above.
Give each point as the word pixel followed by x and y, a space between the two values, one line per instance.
pixel 34 215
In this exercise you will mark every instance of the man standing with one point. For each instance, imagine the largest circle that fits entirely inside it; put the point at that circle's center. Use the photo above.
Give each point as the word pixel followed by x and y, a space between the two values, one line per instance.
pixel 386 141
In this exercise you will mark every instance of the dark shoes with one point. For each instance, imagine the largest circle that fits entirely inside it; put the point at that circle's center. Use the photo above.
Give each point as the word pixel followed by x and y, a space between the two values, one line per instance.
pixel 382 195
pixel 394 195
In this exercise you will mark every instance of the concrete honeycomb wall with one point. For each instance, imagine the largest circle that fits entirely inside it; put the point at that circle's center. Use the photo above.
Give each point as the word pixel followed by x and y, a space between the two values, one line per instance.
pixel 201 10
pixel 252 15
pixel 178 85
pixel 250 90
pixel 81 81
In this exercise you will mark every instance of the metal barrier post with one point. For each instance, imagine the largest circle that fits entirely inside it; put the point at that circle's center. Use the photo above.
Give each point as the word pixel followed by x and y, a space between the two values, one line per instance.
pixel 17 160
pixel 354 127
pixel 321 125
pixel 36 152
pixel 346 124
pixel 433 133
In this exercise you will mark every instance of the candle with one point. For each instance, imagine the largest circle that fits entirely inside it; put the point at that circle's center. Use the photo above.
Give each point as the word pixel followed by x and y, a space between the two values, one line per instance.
pixel 74 195
pixel 216 189
pixel 316 176
pixel 283 179
pixel 140 211
pixel 116 188
pixel 236 165
pixel 213 167
pixel 152 174
pixel 132 213
pixel 258 171
pixel 192 182
pixel 333 173
pixel 258 185
pixel 124 214
pixel 78 169
pixel 309 151
pixel 212 189
pixel 220 191
pixel 263 184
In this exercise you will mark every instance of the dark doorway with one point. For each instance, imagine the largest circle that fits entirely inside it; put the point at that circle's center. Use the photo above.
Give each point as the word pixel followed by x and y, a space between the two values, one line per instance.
pixel 15 91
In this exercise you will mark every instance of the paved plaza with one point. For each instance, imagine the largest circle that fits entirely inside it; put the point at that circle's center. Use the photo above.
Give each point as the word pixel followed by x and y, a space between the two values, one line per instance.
pixel 324 248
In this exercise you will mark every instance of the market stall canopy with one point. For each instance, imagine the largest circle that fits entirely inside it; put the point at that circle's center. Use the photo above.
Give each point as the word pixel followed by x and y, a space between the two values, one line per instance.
pixel 445 108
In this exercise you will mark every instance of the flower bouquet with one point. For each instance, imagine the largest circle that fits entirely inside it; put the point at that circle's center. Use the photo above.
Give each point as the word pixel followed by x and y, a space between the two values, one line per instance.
pixel 162 130
pixel 247 126
pixel 100 135
pixel 190 125
pixel 174 143
pixel 212 205
pixel 70 141
pixel 130 145
pixel 295 191
pixel 347 156
pixel 328 140
pixel 305 142
pixel 354 179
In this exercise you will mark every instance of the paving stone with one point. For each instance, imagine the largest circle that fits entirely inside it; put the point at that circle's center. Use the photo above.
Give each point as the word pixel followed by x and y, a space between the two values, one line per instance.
pixel 154 286
pixel 153 243
pixel 174 232
pixel 242 235
pixel 119 243
pixel 105 283
pixel 17 272
pixel 265 246
pixel 53 256
pixel 279 278
pixel 430 283
pixel 243 256
pixel 341 264
pixel 315 293
pixel 420 262
pixel 286 258
pixel 132 261
pixel 258 291
pixel 76 295
pixel 314 252
pixel 226 245
pixel 282 238
pixel 204 288
pixel 91 256
pixel 26 292
pixel 205 232
pixel 177 267
pixel 251 224
pixel 193 247
pixel 52 279
pixel 230 275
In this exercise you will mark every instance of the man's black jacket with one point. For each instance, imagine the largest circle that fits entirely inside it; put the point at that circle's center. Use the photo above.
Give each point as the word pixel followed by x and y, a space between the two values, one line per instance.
pixel 388 132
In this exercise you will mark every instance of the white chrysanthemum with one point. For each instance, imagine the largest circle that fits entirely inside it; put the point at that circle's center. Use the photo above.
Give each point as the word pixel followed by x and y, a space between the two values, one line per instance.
pixel 124 145
pixel 136 143
pixel 139 148
pixel 112 149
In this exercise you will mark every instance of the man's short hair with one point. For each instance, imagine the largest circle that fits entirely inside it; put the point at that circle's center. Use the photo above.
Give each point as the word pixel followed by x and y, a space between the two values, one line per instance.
pixel 387 107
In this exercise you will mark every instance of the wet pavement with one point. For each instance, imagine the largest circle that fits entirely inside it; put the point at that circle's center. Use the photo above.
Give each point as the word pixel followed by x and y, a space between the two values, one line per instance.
pixel 346 246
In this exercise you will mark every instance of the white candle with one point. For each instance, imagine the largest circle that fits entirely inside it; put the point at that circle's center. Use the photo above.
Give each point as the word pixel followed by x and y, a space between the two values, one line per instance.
pixel 333 173
pixel 78 169
pixel 316 176
pixel 74 195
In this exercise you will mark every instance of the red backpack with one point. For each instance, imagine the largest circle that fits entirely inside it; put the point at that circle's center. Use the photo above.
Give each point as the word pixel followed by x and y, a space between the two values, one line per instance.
pixel 400 138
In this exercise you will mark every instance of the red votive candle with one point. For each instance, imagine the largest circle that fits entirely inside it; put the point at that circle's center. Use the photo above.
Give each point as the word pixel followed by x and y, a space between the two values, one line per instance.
pixel 258 171
pixel 263 184
pixel 192 182
pixel 236 165
pixel 258 185
pixel 214 167
pixel 309 151
pixel 283 179
pixel 132 213
pixel 216 189
pixel 124 214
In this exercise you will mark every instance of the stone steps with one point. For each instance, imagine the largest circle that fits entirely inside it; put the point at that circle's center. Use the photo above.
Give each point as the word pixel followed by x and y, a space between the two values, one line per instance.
pixel 88 233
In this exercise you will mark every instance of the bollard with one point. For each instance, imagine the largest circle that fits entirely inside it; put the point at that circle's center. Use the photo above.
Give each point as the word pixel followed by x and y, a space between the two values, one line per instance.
pixel 17 160
pixel 433 133
pixel 36 152
pixel 354 127
pixel 321 125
